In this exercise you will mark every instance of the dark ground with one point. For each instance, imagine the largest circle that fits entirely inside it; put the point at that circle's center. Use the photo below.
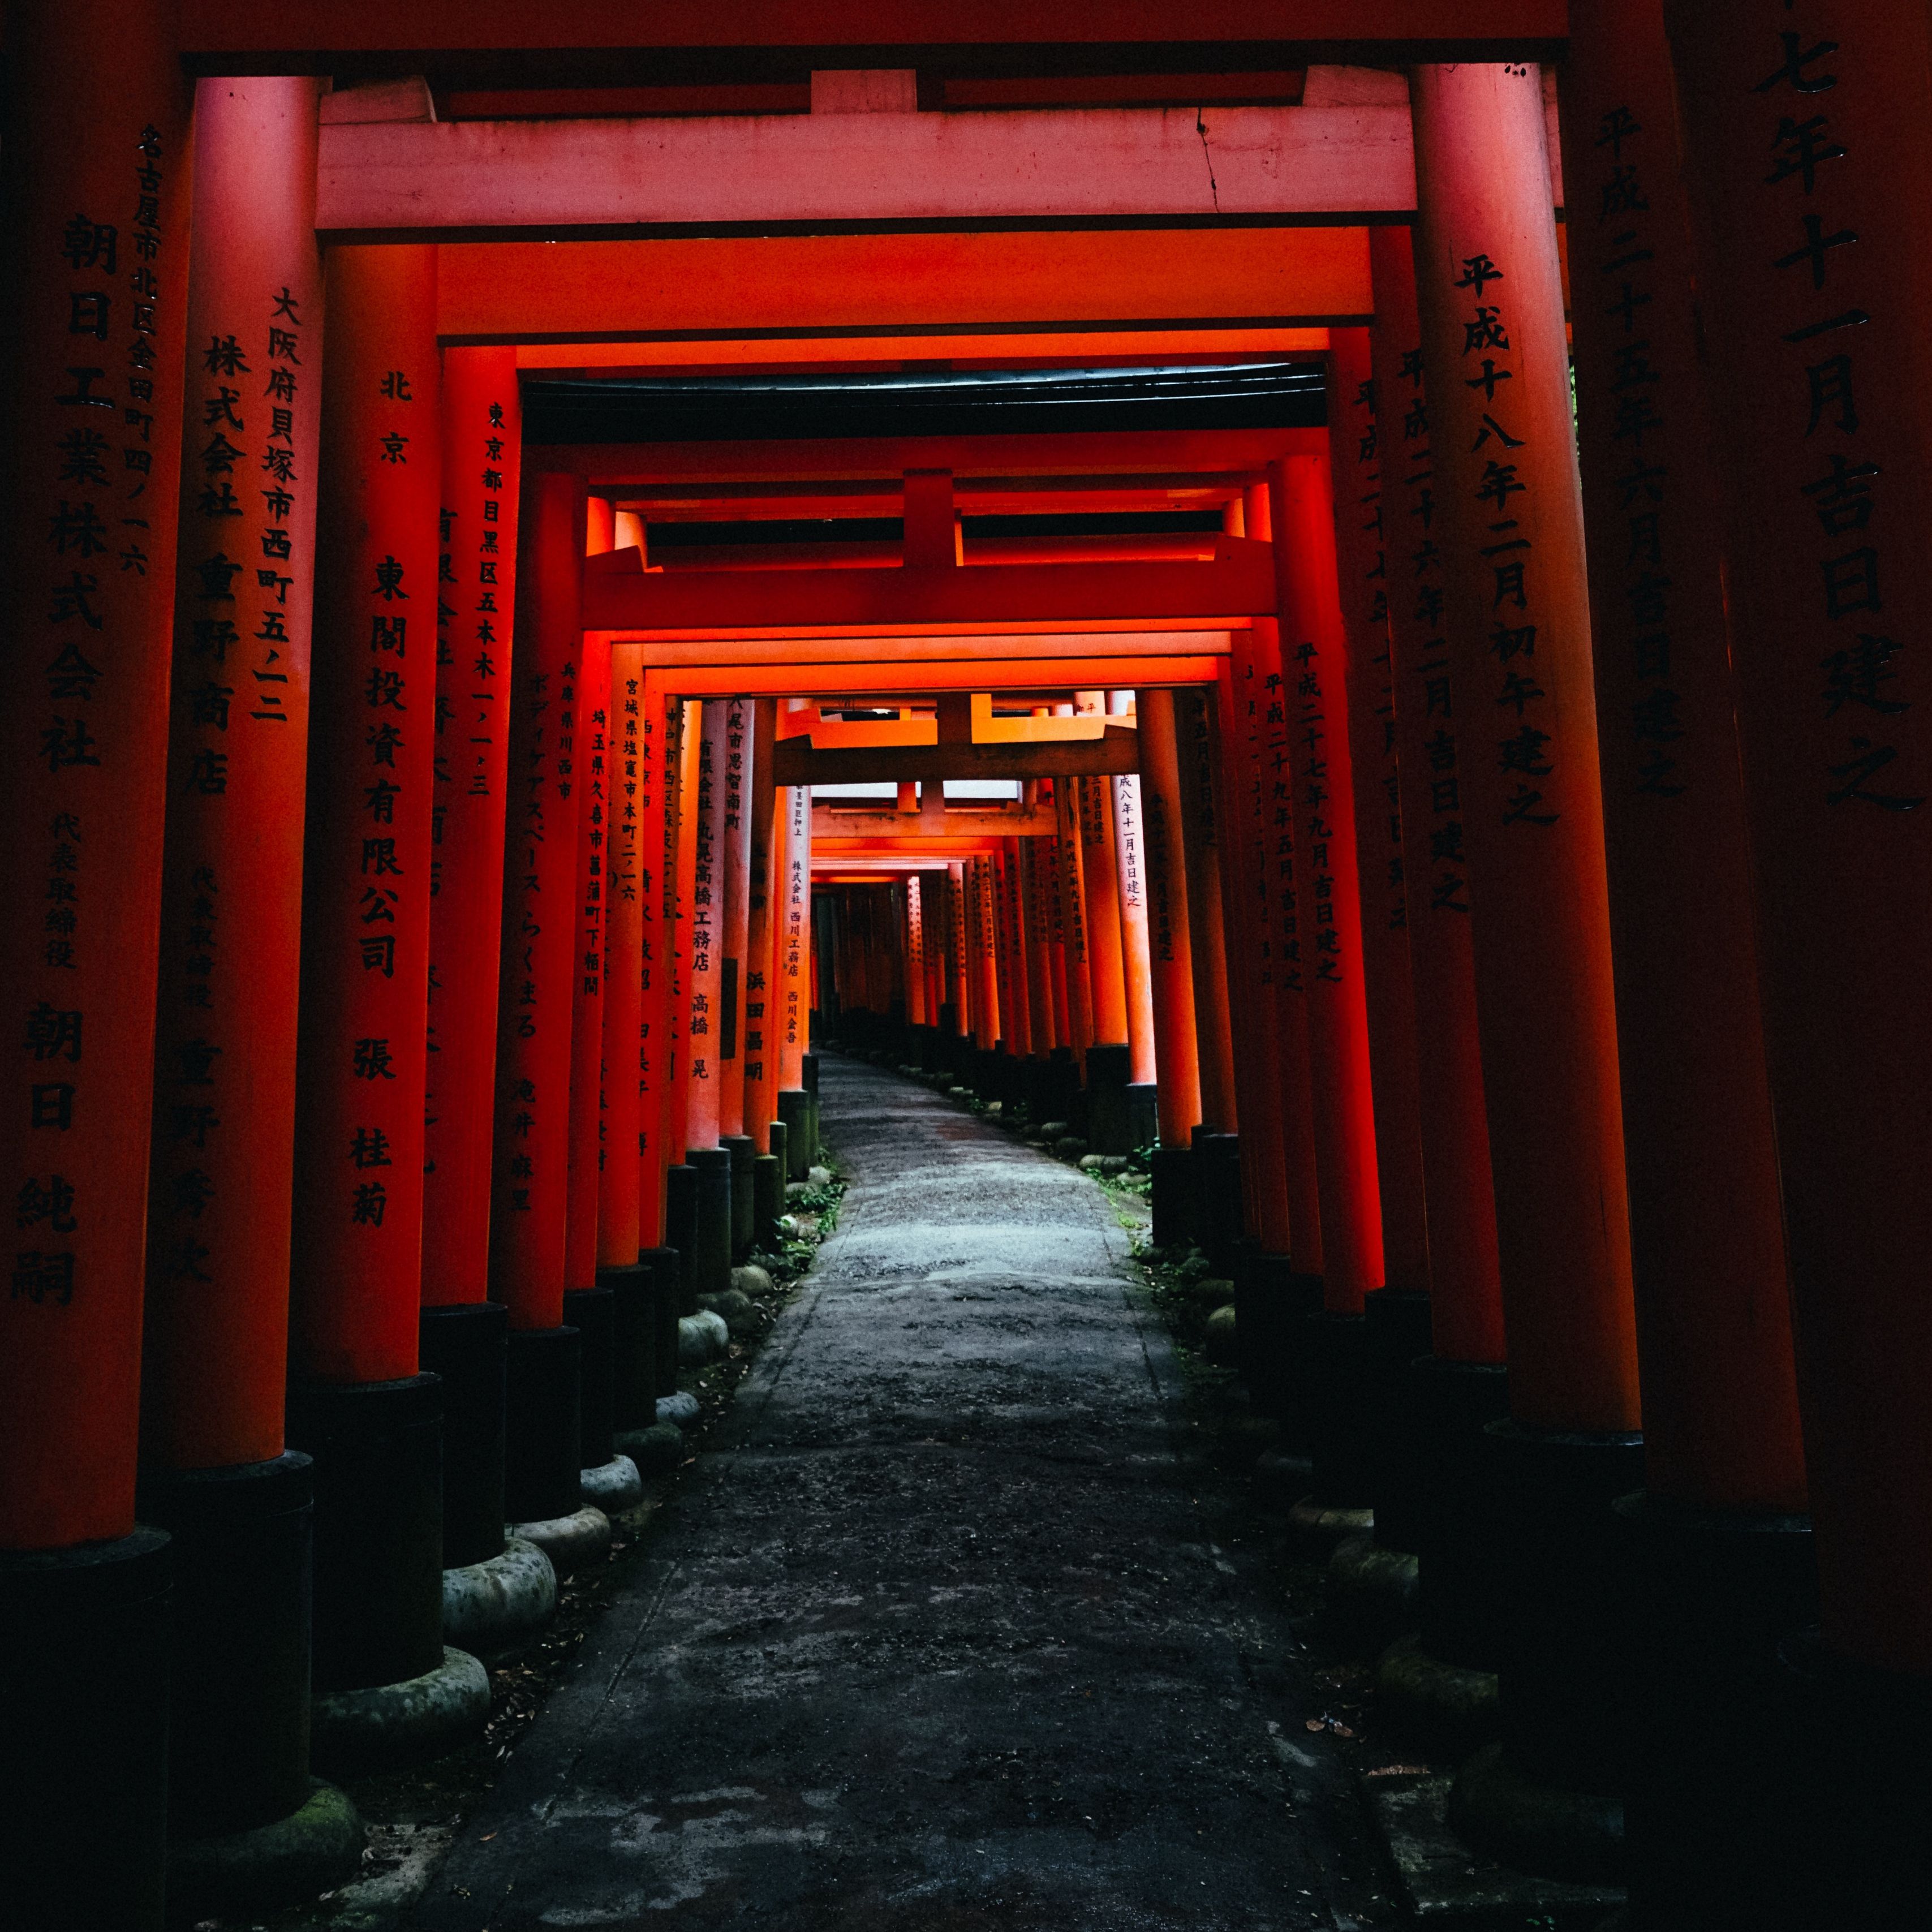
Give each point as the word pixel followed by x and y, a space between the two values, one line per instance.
pixel 961 1623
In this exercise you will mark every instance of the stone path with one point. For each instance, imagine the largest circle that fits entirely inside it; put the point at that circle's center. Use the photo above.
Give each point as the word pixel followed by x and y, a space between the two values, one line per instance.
pixel 939 1639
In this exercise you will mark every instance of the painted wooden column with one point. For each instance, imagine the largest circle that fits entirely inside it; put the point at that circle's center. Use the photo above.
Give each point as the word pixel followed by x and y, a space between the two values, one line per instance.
pixel 1130 875
pixel 357 1404
pixel 591 758
pixel 762 930
pixel 915 924
pixel 1067 876
pixel 1494 345
pixel 629 877
pixel 482 453
pixel 1313 659
pixel 685 884
pixel 1356 455
pixel 1806 157
pixel 1465 1283
pixel 1724 1457
pixel 708 1270
pixel 1197 746
pixel 1252 964
pixel 1036 921
pixel 530 1190
pixel 216 1341
pixel 794 978
pixel 95 313
pixel 660 747
pixel 1170 950
pixel 986 1019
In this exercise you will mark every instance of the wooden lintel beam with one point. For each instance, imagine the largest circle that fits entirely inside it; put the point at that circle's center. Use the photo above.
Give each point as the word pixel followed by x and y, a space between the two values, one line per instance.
pixel 716 671
pixel 1237 585
pixel 831 823
pixel 795 762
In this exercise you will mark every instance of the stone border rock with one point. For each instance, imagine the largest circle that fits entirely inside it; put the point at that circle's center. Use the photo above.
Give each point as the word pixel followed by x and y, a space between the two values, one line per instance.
pixel 570 1541
pixel 505 1601
pixel 389 1725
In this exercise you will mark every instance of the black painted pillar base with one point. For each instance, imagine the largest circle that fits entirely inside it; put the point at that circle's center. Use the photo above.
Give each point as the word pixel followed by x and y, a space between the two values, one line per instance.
pixel 709 1271
pixel 809 1073
pixel 1396 1331
pixel 681 1229
pixel 1545 1798
pixel 593 1312
pixel 665 1266
pixel 1219 1212
pixel 84 1666
pixel 743 1150
pixel 1333 1379
pixel 1171 1170
pixel 794 1112
pixel 1272 1304
pixel 634 1345
pixel 1857 1814
pixel 1108 1128
pixel 1143 1114
pixel 542 1463
pixel 237 1747
pixel 1709 1775
pixel 378 1452
pixel 1450 1404
pixel 464 1344
pixel 768 1187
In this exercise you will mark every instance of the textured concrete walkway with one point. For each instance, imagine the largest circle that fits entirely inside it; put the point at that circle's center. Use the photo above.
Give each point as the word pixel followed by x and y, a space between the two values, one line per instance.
pixel 939 1640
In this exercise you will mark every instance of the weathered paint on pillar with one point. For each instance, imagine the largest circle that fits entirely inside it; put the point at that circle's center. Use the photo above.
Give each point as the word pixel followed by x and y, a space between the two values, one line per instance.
pixel 591 756
pixel 1067 874
pixel 1170 949
pixel 1355 466
pixel 1720 1424
pixel 482 468
pixel 660 750
pixel 529 1186
pixel 1130 873
pixel 216 1342
pixel 95 314
pixel 704 973
pixel 1494 345
pixel 363 1034
pixel 1196 728
pixel 795 957
pixel 957 949
pixel 1314 663
pixel 622 1149
pixel 761 928
pixel 1465 1284
pixel 1805 130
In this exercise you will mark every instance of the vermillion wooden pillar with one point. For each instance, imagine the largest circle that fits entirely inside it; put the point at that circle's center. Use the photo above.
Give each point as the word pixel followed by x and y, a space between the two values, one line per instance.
pixel 591 787
pixel 1100 883
pixel 1067 876
pixel 1722 1452
pixel 95 218
pixel 482 450
pixel 1196 734
pixel 1010 933
pixel 358 1405
pixel 1465 1285
pixel 1130 872
pixel 1356 458
pixel 220 1187
pixel 685 884
pixel 530 1191
pixel 219 1220
pixel 530 1196
pixel 1038 947
pixel 1493 342
pixel 986 1017
pixel 1245 893
pixel 629 878
pixel 709 1269
pixel 1804 130
pixel 1278 851
pixel 1714 1329
pixel 794 981
pixel 915 918
pixel 735 857
pixel 762 927
pixel 1170 953
pixel 660 748
pixel 1313 660
pixel 365 967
